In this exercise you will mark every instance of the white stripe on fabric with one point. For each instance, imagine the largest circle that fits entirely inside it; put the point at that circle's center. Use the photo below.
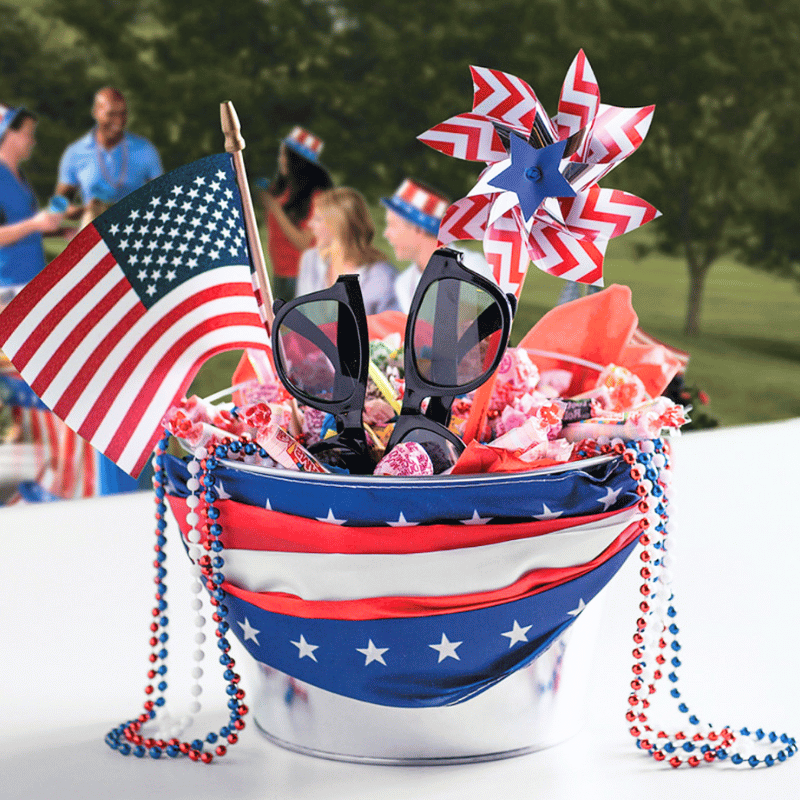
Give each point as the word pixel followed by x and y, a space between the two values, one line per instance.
pixel 337 576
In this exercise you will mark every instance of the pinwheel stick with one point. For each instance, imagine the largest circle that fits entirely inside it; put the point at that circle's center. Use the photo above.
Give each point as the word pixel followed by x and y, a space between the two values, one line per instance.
pixel 234 144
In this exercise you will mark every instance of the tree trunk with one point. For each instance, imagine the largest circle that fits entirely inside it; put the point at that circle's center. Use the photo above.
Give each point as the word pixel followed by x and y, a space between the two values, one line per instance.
pixel 694 302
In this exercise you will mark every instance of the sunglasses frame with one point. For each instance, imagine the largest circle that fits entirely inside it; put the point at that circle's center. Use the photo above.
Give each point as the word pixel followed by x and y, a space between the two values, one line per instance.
pixel 348 411
pixel 445 263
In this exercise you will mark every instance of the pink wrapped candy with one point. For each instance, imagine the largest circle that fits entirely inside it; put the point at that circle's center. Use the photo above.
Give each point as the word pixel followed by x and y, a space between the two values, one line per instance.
pixel 407 459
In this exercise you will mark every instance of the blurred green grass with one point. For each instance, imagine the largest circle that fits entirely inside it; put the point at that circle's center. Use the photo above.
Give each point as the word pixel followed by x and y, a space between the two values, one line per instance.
pixel 747 358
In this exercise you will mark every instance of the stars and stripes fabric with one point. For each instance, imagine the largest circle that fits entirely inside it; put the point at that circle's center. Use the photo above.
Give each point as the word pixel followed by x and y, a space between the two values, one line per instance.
pixel 115 328
pixel 412 593
pixel 598 485
pixel 65 465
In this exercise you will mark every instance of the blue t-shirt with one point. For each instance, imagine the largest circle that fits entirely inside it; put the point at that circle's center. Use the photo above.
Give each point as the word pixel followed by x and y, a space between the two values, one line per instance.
pixel 23 260
pixel 109 175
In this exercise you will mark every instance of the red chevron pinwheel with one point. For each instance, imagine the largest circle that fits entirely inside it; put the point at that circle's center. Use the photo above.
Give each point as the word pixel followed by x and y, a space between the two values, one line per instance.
pixel 538 198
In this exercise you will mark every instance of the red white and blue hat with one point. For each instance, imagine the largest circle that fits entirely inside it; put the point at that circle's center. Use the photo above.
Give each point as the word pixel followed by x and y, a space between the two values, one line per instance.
pixel 7 116
pixel 304 143
pixel 419 205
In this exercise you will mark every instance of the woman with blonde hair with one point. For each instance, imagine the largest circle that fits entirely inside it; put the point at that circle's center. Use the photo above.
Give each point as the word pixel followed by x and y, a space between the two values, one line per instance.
pixel 344 232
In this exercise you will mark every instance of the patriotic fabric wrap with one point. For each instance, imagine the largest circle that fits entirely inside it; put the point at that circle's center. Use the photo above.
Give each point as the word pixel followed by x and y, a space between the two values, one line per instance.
pixel 411 592
pixel 419 205
pixel 305 143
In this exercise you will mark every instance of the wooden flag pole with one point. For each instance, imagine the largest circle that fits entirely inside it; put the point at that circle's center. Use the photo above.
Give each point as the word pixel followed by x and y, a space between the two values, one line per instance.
pixel 234 144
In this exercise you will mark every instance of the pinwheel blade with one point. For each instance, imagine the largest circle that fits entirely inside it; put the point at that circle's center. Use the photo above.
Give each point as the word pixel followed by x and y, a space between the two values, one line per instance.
pixel 506 254
pixel 465 219
pixel 468 136
pixel 578 104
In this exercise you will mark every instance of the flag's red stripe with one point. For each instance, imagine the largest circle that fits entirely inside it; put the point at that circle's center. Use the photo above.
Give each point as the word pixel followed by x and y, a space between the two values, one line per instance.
pixel 247 527
pixel 139 352
pixel 157 434
pixel 40 286
pixel 95 361
pixel 156 376
pixel 395 607
pixel 78 333
pixel 59 310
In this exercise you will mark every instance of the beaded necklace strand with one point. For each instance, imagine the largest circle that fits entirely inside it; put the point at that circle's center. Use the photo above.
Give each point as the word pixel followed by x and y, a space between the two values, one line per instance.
pixel 656 631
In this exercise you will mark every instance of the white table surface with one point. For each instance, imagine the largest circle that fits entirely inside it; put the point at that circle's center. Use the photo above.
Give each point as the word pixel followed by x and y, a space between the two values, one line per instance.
pixel 78 590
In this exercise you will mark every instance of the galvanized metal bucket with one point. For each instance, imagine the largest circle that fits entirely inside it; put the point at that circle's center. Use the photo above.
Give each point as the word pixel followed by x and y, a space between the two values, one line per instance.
pixel 535 707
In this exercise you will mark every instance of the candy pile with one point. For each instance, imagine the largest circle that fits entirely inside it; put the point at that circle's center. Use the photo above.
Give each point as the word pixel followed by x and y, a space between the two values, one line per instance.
pixel 529 423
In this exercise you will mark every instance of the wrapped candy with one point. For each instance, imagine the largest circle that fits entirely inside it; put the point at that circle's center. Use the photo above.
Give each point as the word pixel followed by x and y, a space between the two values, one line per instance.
pixel 282 447
pixel 406 459
pixel 619 389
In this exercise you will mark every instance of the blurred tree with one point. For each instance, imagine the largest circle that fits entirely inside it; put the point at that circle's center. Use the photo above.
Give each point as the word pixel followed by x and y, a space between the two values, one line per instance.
pixel 720 159
pixel 370 75
pixel 37 71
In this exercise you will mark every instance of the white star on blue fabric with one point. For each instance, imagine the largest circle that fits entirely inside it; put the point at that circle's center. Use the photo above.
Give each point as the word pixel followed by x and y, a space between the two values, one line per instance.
pixel 305 649
pixel 576 611
pixel 517 634
pixel 475 519
pixel 446 649
pixel 331 519
pixel 373 653
pixel 249 631
pixel 221 493
pixel 547 513
pixel 402 522
pixel 610 497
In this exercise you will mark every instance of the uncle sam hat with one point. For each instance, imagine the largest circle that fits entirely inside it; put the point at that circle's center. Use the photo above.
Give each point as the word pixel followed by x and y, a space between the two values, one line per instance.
pixel 304 143
pixel 419 205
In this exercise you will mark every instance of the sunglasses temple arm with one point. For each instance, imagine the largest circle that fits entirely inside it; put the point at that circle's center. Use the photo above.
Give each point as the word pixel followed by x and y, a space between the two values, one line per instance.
pixel 310 331
pixel 488 322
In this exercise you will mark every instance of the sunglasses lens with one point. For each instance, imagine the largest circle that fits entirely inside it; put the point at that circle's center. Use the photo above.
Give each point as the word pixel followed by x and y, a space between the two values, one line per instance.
pixel 457 334
pixel 309 338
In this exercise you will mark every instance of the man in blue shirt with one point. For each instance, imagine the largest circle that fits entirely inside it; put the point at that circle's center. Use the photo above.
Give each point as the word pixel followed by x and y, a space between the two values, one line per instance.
pixel 21 222
pixel 108 162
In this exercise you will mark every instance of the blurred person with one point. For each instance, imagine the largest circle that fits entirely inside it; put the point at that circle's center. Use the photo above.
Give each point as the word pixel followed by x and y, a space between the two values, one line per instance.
pixel 413 215
pixel 344 232
pixel 106 163
pixel 288 205
pixel 22 224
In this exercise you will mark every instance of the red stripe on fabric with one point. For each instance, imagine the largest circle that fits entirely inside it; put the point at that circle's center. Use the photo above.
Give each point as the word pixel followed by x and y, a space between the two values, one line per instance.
pixel 40 286
pixel 139 407
pixel 142 348
pixel 67 458
pixel 90 488
pixel 95 361
pixel 247 527
pixel 67 347
pixel 530 584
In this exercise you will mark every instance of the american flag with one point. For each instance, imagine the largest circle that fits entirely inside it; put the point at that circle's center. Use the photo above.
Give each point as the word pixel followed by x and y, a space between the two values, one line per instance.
pixel 115 328
pixel 394 612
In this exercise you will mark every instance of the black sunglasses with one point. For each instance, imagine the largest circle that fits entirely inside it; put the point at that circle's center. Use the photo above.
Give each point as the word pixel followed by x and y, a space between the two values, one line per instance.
pixel 457 331
pixel 320 345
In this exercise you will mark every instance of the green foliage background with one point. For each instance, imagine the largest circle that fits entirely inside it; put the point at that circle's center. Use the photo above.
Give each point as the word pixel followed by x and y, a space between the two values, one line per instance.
pixel 720 160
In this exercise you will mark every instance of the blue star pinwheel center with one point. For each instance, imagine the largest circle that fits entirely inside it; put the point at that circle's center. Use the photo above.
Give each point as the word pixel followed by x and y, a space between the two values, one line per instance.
pixel 533 174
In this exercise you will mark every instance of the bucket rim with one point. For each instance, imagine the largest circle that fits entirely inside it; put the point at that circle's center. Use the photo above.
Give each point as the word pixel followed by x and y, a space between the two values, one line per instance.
pixel 385 480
